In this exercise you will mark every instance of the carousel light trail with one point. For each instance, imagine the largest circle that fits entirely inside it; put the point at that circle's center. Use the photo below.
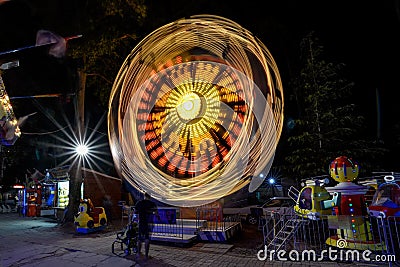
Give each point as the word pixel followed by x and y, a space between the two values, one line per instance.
pixel 190 120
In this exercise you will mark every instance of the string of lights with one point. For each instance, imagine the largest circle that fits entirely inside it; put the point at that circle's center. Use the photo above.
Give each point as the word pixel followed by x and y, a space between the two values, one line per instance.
pixel 10 130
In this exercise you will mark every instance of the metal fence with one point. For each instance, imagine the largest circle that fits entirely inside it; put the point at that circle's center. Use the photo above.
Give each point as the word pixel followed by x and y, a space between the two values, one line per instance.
pixel 167 227
pixel 214 227
pixel 215 219
pixel 172 227
pixel 347 236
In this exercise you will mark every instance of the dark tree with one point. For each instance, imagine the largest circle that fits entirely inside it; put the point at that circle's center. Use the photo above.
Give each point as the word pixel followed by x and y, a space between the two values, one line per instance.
pixel 109 30
pixel 328 123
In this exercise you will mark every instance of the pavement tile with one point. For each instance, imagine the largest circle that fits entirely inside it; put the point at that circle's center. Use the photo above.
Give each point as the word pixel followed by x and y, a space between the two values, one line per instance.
pixel 38 242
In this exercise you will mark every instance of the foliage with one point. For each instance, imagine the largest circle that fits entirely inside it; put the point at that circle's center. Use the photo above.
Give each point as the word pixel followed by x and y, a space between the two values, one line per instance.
pixel 328 124
pixel 109 29
pixel 109 32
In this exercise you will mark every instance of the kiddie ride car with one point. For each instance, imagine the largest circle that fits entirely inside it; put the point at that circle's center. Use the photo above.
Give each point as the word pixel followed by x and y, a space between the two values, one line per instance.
pixel 386 201
pixel 313 200
pixel 89 218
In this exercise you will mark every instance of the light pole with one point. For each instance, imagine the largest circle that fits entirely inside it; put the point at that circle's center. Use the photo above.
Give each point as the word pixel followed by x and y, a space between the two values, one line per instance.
pixel 81 150
pixel 76 180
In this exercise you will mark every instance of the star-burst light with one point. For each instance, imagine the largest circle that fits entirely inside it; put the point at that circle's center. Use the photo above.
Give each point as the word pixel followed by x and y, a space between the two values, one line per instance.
pixel 78 145
pixel 83 147
pixel 82 150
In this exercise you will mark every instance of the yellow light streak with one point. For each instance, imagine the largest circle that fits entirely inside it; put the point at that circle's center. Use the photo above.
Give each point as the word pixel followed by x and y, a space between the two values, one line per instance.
pixel 192 120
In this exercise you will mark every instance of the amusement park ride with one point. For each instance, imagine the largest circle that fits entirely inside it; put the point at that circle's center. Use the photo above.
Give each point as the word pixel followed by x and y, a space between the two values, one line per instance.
pixel 345 207
pixel 386 201
pixel 314 200
pixel 9 124
pixel 9 131
pixel 89 218
pixel 351 226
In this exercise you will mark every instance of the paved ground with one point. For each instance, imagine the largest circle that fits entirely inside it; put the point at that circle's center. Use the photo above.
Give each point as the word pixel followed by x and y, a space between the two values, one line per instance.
pixel 42 242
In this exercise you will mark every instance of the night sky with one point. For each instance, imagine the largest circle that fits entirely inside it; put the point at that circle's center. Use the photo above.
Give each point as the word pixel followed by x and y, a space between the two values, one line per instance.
pixel 362 34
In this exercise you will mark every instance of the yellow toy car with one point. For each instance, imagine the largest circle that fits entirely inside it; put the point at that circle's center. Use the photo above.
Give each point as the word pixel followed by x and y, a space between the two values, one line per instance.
pixel 89 218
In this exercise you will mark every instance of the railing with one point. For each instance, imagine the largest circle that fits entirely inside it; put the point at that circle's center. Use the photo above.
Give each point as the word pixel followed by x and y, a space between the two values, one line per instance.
pixel 293 193
pixel 170 224
pixel 215 221
pixel 347 235
pixel 275 223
